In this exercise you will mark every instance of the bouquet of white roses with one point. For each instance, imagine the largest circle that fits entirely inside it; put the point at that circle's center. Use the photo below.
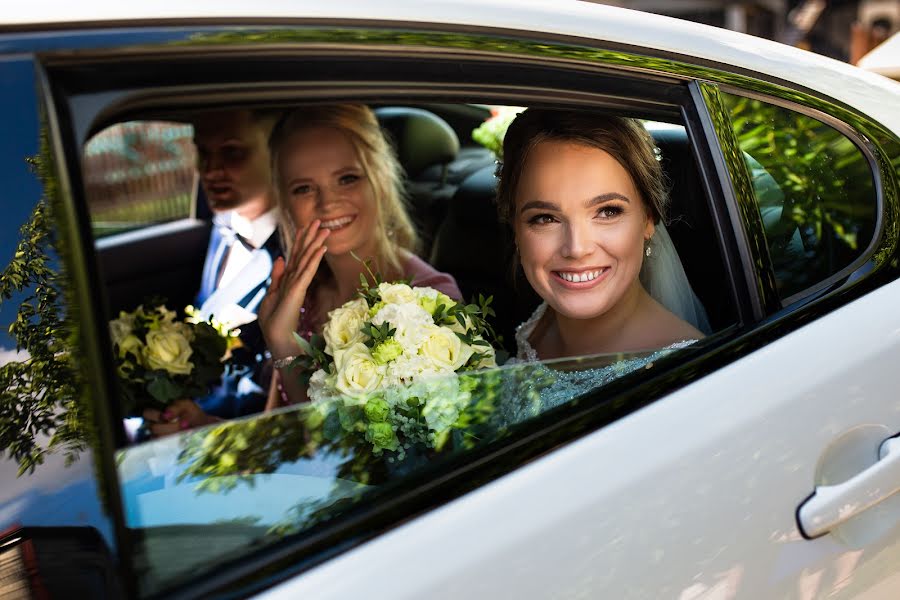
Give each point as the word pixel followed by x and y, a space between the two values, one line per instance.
pixel 160 359
pixel 392 362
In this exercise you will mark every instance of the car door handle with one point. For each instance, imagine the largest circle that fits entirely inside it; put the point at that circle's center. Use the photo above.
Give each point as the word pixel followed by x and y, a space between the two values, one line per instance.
pixel 831 505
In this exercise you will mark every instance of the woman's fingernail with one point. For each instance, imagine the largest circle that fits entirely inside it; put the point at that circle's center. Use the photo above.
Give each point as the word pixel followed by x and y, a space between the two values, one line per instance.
pixel 184 425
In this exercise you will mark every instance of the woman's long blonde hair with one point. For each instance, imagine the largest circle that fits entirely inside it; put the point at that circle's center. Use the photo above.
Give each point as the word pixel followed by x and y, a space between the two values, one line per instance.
pixel 394 229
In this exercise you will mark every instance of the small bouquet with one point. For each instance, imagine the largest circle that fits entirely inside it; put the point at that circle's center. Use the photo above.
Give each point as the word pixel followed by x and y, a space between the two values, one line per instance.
pixel 390 364
pixel 160 359
pixel 490 134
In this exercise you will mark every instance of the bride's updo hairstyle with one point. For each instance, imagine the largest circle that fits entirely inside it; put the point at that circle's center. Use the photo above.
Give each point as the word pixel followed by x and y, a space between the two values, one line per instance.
pixel 624 139
pixel 394 229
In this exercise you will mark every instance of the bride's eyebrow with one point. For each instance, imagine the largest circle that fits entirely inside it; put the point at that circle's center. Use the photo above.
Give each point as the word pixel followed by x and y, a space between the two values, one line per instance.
pixel 538 205
pixel 606 198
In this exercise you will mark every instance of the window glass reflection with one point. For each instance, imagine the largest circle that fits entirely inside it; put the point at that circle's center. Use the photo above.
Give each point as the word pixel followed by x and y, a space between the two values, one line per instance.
pixel 244 484
pixel 814 187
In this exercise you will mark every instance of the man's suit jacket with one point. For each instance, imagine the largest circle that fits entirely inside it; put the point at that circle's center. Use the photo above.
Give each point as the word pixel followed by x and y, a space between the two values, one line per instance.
pixel 244 384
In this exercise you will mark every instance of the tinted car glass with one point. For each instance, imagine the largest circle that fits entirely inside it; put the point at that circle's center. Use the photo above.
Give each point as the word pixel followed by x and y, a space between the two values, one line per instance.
pixel 55 531
pixel 139 173
pixel 219 494
pixel 814 187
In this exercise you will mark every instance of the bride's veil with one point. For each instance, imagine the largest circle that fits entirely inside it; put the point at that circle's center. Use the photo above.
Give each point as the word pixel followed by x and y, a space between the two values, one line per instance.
pixel 663 276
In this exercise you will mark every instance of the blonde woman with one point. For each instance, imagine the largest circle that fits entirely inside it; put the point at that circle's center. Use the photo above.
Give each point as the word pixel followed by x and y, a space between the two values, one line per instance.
pixel 340 196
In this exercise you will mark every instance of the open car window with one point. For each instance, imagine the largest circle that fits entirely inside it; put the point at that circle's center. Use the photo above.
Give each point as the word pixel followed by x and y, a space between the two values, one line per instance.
pixel 247 485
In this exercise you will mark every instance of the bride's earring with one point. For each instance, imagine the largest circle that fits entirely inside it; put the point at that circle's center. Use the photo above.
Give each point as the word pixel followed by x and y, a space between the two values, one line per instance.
pixel 649 250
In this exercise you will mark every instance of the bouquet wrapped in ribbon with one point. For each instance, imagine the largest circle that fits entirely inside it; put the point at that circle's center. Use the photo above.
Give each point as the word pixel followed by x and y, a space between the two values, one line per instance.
pixel 160 358
pixel 390 364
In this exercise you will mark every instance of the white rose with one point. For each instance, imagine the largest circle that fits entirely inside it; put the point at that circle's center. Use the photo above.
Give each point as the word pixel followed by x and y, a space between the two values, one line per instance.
pixel 183 328
pixel 167 348
pixel 121 328
pixel 444 348
pixel 130 343
pixel 488 362
pixel 409 320
pixel 397 293
pixel 357 372
pixel 343 327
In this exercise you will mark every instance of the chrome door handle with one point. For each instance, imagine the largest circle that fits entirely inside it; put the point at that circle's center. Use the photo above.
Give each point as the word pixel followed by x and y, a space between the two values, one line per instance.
pixel 831 505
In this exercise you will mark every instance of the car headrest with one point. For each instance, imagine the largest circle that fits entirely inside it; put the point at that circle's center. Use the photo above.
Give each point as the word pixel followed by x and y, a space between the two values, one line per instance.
pixel 421 138
pixel 474 199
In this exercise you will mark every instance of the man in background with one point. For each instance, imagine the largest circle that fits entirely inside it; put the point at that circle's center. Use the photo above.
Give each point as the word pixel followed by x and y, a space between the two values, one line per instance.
pixel 235 174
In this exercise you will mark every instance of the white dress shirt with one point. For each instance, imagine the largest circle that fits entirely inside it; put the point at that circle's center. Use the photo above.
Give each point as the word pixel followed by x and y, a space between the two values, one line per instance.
pixel 254 233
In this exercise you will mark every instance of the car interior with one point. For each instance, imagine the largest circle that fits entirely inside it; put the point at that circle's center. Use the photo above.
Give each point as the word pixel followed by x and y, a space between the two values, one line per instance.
pixel 450 187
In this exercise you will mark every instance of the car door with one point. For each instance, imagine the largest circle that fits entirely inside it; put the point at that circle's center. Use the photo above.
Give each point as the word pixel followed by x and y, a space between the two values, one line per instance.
pixel 773 476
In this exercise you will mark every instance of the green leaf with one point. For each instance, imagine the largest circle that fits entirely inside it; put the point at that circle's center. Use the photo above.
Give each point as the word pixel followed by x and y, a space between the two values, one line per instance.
pixel 304 345
pixel 164 389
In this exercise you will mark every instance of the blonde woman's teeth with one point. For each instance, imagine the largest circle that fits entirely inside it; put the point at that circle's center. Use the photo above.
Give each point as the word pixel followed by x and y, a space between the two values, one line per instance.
pixel 579 277
pixel 335 223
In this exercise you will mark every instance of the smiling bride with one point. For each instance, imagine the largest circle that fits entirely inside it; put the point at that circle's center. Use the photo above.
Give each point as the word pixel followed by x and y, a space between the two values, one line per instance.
pixel 586 199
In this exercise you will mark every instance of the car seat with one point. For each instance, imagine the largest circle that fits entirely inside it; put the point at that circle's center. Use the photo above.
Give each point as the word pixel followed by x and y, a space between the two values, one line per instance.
pixel 477 249
pixel 424 144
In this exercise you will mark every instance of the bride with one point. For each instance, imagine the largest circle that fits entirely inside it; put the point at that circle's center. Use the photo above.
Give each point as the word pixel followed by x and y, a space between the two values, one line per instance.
pixel 585 196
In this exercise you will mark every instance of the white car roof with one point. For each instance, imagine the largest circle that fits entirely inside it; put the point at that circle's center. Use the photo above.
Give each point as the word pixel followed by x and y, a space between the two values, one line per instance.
pixel 873 94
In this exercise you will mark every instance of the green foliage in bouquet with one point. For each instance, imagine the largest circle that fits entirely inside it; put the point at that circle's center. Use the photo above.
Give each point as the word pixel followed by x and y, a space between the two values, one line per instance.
pixel 389 371
pixel 160 359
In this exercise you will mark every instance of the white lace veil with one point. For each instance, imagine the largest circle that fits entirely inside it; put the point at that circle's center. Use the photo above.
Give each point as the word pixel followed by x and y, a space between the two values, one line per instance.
pixel 663 276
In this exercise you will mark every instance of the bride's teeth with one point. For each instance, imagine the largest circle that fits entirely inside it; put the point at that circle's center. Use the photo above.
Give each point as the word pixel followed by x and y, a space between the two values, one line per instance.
pixel 580 277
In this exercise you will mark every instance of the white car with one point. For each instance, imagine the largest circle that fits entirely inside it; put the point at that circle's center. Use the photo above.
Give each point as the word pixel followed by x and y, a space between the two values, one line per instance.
pixel 758 463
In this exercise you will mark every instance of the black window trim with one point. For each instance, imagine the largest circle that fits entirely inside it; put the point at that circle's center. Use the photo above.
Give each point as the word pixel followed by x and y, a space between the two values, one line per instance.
pixel 728 212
